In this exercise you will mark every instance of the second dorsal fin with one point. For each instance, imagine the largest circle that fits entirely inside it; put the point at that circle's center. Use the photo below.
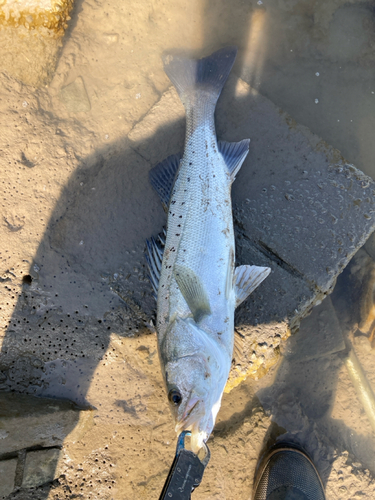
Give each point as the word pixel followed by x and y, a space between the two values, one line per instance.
pixel 246 279
pixel 234 154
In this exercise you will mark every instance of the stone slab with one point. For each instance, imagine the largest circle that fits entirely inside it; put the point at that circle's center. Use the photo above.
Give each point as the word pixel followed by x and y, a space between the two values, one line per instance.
pixel 27 421
pixel 74 96
pixel 370 246
pixel 299 201
pixel 7 476
pixel 40 467
pixel 320 334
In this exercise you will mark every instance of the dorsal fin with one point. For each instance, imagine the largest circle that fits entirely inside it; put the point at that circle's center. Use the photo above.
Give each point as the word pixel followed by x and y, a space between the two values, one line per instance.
pixel 162 178
pixel 246 279
pixel 193 292
pixel 234 154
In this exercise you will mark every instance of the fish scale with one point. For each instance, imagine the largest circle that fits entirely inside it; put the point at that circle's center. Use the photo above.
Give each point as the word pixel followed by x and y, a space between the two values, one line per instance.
pixel 198 286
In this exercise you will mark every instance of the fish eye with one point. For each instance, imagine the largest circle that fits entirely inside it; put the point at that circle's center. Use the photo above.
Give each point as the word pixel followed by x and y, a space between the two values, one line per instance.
pixel 174 397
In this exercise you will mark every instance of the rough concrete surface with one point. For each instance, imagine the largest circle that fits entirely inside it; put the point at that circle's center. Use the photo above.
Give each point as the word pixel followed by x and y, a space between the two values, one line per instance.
pixel 7 474
pixel 44 422
pixel 40 467
pixel 76 208
pixel 319 335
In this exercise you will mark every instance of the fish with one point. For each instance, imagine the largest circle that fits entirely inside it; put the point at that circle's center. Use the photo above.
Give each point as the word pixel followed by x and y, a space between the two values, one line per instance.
pixel 192 265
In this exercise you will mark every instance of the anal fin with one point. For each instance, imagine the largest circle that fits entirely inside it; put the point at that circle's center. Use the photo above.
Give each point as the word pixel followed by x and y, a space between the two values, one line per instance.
pixel 193 292
pixel 247 278
pixel 239 342
pixel 154 258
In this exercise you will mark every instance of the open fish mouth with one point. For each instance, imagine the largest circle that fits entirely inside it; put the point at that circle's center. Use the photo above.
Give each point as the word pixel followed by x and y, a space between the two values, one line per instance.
pixel 198 437
pixel 189 416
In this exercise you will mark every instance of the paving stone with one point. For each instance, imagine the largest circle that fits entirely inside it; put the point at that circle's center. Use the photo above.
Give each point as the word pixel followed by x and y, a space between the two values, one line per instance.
pixel 166 116
pixel 320 334
pixel 74 96
pixel 27 421
pixel 299 201
pixel 370 246
pixel 40 467
pixel 7 476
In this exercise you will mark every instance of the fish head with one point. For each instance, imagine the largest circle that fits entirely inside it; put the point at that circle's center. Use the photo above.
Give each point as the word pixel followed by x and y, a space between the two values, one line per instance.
pixel 195 377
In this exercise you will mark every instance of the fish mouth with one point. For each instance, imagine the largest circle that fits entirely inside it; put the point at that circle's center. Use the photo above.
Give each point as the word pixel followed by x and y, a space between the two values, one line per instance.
pixel 188 416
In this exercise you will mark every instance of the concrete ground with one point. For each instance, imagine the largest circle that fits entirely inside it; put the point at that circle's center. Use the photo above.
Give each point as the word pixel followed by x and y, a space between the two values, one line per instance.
pixel 77 206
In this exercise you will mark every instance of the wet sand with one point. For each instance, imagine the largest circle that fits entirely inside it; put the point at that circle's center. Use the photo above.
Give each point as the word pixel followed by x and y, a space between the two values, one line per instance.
pixel 65 150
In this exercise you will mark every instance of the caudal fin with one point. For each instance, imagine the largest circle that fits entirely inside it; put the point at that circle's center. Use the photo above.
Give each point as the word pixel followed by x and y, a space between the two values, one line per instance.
pixel 208 74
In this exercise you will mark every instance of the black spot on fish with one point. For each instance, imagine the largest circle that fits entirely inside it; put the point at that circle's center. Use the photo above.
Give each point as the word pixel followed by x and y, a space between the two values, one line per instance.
pixel 178 225
pixel 178 234
pixel 190 163
pixel 183 203
pixel 180 216
pixel 188 179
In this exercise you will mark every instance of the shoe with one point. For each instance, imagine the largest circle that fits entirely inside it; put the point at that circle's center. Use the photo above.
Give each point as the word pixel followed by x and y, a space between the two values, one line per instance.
pixel 287 473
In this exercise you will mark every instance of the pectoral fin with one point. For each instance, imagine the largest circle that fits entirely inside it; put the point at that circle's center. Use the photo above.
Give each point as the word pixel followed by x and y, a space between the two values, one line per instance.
pixel 247 278
pixel 193 292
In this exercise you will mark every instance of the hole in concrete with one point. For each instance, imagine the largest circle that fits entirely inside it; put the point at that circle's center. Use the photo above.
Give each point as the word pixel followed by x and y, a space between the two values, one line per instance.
pixel 27 279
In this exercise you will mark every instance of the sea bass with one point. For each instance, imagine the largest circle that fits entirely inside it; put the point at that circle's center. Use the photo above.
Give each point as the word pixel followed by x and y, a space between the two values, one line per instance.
pixel 193 271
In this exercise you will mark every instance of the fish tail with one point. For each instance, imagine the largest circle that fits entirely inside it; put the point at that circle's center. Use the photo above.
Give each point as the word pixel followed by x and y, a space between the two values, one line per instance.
pixel 205 76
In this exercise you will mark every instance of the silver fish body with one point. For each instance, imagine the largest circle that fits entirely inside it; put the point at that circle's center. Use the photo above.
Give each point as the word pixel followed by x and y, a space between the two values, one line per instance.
pixel 198 287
